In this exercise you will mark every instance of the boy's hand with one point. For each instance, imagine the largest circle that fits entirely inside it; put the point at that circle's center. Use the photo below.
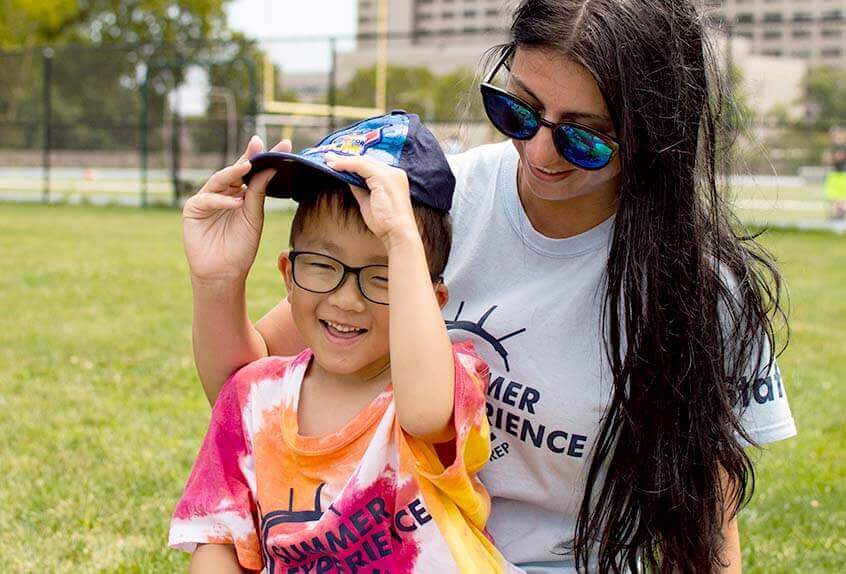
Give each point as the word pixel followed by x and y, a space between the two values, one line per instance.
pixel 222 223
pixel 386 208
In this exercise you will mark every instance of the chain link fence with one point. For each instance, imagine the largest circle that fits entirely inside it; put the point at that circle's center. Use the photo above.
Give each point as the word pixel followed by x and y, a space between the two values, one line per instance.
pixel 145 125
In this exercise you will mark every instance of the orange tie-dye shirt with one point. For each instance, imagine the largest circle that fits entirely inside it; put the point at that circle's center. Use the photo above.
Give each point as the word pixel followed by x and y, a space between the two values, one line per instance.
pixel 368 498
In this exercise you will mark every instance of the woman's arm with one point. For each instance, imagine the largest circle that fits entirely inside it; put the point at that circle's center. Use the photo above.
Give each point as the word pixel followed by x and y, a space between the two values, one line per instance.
pixel 215 559
pixel 731 548
pixel 731 535
pixel 224 339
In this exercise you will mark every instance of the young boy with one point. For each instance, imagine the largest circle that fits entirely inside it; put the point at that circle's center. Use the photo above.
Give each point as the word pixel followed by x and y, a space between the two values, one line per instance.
pixel 359 454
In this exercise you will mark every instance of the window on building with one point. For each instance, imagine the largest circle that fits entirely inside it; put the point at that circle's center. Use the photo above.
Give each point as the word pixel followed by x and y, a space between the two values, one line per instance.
pixel 801 33
pixel 831 33
pixel 803 54
pixel 777 53
pixel 832 15
pixel 448 15
pixel 744 18
pixel 469 13
pixel 772 35
pixel 748 34
pixel 773 17
pixel 492 12
pixel 831 53
pixel 802 16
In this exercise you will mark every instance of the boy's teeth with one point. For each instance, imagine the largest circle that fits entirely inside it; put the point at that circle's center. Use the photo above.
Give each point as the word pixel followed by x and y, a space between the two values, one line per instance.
pixel 342 328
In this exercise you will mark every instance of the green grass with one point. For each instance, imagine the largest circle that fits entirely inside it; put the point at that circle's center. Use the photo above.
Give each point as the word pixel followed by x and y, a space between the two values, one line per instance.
pixel 101 412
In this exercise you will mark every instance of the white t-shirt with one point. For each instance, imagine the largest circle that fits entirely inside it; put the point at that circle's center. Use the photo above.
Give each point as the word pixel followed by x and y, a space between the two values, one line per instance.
pixel 532 306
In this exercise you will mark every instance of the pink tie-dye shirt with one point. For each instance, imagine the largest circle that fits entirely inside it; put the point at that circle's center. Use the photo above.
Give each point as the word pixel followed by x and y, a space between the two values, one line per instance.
pixel 367 498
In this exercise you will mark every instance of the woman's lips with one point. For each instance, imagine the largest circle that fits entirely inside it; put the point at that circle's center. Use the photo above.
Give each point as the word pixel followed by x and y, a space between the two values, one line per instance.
pixel 549 177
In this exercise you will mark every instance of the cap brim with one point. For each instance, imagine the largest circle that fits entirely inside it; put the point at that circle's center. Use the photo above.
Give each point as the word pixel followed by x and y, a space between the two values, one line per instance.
pixel 296 174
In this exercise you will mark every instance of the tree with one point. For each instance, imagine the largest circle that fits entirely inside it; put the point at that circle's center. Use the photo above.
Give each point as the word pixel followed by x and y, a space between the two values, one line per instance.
pixel 100 51
pixel 416 90
pixel 825 96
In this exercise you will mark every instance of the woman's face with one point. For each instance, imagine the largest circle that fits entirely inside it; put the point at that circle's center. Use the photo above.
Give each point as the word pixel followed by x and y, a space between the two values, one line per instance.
pixel 560 90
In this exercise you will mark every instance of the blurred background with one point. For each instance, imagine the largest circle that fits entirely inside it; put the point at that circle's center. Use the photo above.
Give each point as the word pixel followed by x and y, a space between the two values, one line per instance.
pixel 112 112
pixel 134 102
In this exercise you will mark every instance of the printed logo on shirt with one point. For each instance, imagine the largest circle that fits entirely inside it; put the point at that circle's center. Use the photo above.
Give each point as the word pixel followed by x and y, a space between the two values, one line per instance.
pixel 478 328
pixel 363 534
pixel 504 393
pixel 762 390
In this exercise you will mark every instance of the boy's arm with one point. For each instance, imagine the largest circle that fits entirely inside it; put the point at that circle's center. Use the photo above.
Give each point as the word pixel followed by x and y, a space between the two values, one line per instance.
pixel 422 369
pixel 222 226
pixel 215 559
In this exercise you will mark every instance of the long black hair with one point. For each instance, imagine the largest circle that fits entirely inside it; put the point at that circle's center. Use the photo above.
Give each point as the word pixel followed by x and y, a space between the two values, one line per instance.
pixel 689 302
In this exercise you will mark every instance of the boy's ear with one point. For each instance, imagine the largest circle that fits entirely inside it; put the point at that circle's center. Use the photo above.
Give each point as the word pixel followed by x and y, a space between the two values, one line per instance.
pixel 283 262
pixel 441 294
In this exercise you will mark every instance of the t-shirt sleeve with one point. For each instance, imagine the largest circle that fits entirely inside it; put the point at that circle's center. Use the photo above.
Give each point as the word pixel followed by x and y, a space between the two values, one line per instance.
pixel 761 396
pixel 218 505
pixel 468 452
pixel 762 400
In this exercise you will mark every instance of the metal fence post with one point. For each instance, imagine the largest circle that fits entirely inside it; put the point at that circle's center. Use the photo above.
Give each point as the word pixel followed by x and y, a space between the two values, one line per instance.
pixel 47 74
pixel 143 135
pixel 333 54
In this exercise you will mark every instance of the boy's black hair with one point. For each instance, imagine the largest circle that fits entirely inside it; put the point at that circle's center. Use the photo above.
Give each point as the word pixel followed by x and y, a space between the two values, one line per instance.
pixel 336 197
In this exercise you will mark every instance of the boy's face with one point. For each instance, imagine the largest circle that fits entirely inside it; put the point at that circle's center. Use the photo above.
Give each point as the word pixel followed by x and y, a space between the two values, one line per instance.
pixel 347 333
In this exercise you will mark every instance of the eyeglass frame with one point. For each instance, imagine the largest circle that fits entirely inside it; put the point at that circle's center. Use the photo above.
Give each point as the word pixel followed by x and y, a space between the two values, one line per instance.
pixel 486 84
pixel 348 269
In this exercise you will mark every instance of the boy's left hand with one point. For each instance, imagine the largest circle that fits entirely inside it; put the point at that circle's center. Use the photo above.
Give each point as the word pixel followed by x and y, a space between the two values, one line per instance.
pixel 386 208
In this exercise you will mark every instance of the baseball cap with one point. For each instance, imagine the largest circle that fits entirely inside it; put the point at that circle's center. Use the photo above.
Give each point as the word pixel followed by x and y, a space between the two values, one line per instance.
pixel 398 139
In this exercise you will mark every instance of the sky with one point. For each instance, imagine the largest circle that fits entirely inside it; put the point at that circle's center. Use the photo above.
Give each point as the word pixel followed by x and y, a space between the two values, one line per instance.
pixel 278 24
pixel 276 21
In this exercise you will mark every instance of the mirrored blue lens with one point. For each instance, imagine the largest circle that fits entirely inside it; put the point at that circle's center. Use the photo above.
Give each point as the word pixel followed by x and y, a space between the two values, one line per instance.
pixel 510 116
pixel 582 148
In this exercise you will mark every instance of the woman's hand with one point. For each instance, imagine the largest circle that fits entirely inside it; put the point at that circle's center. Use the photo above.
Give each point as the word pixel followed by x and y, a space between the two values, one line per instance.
pixel 222 223
pixel 386 208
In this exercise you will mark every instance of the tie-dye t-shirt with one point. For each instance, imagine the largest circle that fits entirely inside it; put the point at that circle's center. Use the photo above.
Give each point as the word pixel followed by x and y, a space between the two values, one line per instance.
pixel 366 498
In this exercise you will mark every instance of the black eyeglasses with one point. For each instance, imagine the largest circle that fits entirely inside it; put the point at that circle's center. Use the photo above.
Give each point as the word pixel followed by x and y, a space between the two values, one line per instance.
pixel 581 145
pixel 320 273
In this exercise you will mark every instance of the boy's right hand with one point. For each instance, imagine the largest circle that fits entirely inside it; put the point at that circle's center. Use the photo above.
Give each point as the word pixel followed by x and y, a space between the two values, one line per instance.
pixel 222 223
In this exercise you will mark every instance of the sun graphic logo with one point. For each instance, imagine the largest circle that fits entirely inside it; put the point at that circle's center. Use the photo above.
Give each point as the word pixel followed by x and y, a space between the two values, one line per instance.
pixel 478 328
pixel 352 143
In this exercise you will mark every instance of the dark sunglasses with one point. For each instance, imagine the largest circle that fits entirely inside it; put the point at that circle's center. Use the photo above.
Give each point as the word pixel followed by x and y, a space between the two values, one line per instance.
pixel 581 145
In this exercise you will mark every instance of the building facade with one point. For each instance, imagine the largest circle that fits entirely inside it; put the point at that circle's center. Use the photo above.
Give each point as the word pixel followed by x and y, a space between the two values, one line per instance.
pixel 440 34
pixel 810 30
pixel 427 21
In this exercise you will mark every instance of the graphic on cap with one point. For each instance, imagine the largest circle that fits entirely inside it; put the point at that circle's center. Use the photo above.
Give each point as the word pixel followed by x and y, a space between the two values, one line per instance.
pixel 348 144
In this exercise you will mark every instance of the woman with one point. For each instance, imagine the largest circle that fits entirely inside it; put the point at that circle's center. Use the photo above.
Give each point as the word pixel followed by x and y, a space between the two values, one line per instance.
pixel 627 327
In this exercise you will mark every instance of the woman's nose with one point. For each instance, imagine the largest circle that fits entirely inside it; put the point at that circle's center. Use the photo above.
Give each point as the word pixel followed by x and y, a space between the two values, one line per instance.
pixel 541 150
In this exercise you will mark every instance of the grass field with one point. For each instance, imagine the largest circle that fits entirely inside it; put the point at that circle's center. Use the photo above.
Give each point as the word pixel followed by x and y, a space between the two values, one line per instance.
pixel 101 412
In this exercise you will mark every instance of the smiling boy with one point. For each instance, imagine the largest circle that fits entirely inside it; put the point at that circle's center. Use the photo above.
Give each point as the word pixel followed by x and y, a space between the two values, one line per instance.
pixel 360 454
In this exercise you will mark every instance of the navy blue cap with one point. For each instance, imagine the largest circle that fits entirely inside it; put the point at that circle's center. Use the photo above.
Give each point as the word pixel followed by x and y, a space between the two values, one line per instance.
pixel 397 139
